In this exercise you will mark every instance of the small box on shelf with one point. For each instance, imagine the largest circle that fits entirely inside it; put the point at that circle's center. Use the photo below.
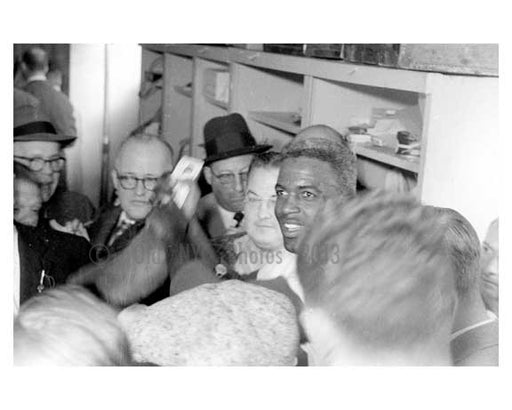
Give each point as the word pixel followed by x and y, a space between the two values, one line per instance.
pixel 290 49
pixel 216 85
pixel 473 59
pixel 334 51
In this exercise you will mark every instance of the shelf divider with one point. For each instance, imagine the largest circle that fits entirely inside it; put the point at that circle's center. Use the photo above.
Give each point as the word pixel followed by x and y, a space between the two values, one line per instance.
pixel 282 120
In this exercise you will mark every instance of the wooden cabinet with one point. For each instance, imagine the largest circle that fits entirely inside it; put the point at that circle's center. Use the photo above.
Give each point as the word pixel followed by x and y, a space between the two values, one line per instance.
pixel 455 115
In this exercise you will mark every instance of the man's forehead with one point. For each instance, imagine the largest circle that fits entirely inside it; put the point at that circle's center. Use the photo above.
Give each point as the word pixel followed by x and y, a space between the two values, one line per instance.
pixel 233 164
pixel 262 180
pixel 36 148
pixel 153 156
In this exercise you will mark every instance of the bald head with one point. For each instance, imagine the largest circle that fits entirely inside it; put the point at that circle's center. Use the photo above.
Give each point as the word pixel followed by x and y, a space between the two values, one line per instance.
pixel 144 146
pixel 34 60
pixel 321 132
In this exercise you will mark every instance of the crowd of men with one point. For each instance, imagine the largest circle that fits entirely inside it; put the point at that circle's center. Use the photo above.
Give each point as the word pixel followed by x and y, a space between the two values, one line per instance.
pixel 282 262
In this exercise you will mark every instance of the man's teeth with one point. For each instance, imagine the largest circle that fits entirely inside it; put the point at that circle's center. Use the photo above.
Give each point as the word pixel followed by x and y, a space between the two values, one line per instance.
pixel 292 227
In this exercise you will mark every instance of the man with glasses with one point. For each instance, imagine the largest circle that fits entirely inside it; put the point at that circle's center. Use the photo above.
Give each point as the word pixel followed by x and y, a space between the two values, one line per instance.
pixel 46 256
pixel 229 148
pixel 140 162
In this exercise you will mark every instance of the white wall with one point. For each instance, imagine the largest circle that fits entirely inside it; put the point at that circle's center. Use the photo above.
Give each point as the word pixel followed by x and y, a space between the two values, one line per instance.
pixel 462 152
pixel 92 68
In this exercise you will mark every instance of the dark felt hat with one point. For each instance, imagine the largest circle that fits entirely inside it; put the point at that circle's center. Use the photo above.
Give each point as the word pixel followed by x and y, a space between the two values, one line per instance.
pixel 229 136
pixel 31 125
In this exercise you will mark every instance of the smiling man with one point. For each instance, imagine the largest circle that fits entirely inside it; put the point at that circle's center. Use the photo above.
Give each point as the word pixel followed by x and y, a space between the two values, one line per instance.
pixel 314 169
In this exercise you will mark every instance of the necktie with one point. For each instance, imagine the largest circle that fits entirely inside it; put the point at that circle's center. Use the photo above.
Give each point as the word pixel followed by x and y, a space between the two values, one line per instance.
pixel 238 218
pixel 121 229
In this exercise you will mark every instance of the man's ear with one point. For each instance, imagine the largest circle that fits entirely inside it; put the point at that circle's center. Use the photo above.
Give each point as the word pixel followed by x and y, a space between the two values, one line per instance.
pixel 113 174
pixel 207 174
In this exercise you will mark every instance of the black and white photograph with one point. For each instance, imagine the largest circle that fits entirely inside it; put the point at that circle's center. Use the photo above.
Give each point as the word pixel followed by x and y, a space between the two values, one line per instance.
pixel 233 211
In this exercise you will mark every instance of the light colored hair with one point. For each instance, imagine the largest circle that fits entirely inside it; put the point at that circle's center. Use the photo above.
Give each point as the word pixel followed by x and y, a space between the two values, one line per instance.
pixel 376 265
pixel 463 247
pixel 144 139
pixel 68 326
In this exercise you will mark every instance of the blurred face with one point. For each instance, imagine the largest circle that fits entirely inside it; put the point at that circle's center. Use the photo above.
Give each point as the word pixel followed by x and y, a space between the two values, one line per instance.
pixel 27 202
pixel 260 201
pixel 490 271
pixel 143 160
pixel 303 186
pixel 228 178
pixel 46 177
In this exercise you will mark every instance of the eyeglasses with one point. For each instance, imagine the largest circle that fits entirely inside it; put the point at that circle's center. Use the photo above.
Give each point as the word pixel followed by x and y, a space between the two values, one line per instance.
pixel 229 178
pixel 130 182
pixel 38 163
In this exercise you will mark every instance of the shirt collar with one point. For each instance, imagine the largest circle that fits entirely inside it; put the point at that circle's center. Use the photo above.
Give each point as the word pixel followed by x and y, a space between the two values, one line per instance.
pixel 491 317
pixel 125 219
pixel 227 217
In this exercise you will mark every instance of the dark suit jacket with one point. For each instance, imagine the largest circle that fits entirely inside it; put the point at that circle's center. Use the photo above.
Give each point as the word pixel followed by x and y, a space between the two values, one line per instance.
pixel 100 233
pixel 42 247
pixel 55 105
pixel 101 230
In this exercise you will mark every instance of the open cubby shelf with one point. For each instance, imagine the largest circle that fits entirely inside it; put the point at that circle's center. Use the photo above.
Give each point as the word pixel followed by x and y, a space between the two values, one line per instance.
pixel 451 114
pixel 386 155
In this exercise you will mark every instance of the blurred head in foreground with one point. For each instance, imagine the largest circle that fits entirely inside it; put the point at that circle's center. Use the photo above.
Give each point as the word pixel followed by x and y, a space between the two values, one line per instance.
pixel 68 326
pixel 230 323
pixel 475 338
pixel 463 247
pixel 379 289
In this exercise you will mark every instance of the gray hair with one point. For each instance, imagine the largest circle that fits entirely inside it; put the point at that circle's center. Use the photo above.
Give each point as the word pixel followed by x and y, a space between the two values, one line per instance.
pixel 338 155
pixel 463 247
pixel 144 139
pixel 69 326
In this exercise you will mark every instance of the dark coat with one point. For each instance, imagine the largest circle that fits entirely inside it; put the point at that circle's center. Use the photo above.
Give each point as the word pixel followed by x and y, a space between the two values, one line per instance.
pixel 101 231
pixel 42 247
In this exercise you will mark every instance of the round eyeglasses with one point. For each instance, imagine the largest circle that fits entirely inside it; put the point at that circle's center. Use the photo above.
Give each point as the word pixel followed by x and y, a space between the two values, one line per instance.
pixel 229 178
pixel 37 163
pixel 130 182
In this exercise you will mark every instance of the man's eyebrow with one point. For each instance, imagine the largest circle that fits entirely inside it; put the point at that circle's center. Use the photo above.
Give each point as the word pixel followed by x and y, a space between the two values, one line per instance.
pixel 231 171
pixel 310 187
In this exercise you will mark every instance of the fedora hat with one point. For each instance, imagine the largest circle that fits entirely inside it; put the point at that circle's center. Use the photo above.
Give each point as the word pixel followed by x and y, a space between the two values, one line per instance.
pixel 31 125
pixel 229 136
